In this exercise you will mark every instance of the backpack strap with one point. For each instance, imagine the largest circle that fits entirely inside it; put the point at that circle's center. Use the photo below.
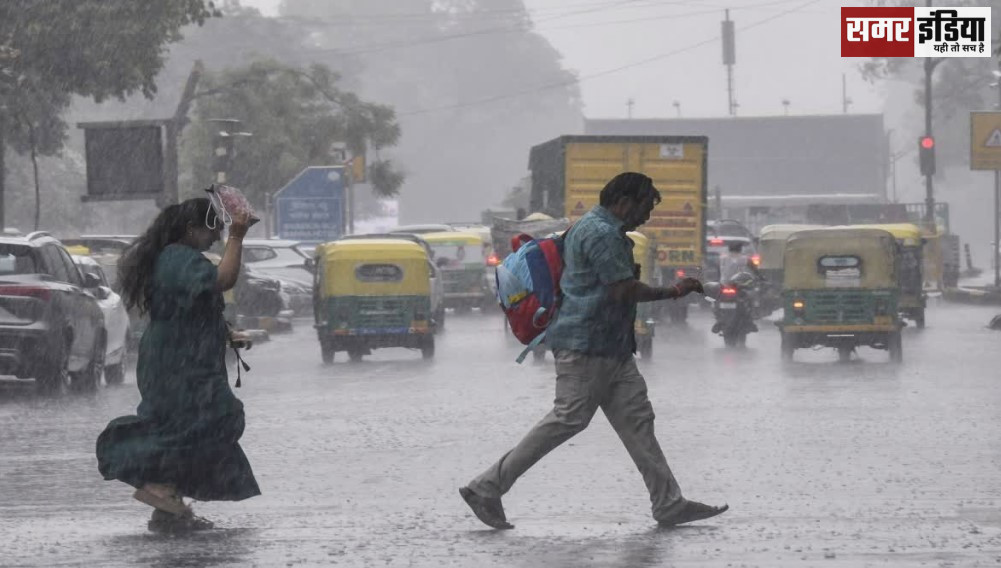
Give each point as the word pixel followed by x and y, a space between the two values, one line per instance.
pixel 532 345
pixel 518 240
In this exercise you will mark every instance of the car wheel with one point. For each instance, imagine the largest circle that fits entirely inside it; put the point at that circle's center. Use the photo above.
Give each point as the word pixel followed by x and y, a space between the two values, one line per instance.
pixel 90 377
pixel 115 374
pixel 54 375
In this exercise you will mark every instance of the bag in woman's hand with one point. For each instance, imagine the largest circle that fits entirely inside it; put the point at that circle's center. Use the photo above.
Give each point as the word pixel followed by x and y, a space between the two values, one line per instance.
pixel 228 201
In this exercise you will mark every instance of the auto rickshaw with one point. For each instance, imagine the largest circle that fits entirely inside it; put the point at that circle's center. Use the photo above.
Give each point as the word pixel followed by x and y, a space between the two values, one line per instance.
pixel 370 294
pixel 771 247
pixel 644 256
pixel 909 269
pixel 840 290
pixel 462 258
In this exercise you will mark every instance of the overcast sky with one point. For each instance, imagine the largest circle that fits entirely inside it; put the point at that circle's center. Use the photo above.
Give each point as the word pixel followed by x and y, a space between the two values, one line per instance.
pixel 657 52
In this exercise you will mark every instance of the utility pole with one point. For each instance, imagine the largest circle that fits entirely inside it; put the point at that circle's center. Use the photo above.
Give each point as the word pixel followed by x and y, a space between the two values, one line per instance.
pixel 629 106
pixel 729 59
pixel 997 207
pixel 845 101
pixel 677 107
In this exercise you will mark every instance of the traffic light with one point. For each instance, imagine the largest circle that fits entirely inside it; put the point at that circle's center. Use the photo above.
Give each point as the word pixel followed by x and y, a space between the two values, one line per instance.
pixel 926 155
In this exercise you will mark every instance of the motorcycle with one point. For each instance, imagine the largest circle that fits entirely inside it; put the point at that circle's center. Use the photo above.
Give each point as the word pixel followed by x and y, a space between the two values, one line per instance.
pixel 734 308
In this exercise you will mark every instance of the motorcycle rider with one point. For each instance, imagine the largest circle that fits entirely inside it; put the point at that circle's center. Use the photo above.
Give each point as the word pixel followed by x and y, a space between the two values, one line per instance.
pixel 734 263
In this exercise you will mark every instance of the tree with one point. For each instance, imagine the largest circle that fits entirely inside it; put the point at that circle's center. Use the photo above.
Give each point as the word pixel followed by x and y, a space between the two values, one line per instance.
pixel 475 87
pixel 52 49
pixel 295 115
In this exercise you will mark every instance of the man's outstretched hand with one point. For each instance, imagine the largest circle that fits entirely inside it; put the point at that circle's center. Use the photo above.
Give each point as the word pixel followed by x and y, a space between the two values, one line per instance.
pixel 688 285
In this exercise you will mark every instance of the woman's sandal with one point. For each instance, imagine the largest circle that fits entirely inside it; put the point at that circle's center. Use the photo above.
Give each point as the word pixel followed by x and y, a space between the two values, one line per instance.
pixel 161 502
pixel 164 522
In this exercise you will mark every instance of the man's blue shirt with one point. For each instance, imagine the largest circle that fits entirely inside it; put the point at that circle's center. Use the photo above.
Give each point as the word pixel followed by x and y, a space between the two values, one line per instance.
pixel 596 254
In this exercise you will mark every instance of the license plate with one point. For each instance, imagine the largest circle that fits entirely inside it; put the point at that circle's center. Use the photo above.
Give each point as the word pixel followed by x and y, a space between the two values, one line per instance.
pixel 727 306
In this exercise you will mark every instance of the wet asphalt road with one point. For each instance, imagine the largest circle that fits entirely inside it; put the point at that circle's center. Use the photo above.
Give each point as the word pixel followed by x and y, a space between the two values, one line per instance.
pixel 823 464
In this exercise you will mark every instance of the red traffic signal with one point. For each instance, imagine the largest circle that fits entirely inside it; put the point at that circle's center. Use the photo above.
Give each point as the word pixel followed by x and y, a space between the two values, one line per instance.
pixel 926 155
pixel 927 142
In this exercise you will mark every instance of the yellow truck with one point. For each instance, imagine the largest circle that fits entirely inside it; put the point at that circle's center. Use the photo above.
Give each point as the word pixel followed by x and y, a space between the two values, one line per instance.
pixel 569 172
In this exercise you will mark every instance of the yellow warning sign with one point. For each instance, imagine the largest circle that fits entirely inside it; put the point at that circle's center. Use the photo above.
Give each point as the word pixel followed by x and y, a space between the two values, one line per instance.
pixel 985 140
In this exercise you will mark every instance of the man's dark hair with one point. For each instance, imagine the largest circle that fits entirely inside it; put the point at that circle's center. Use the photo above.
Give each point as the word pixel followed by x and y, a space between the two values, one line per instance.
pixel 630 185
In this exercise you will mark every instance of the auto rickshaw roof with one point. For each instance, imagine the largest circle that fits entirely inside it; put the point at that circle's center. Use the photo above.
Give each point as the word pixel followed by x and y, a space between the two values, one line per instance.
pixel 875 248
pixel 900 231
pixel 462 237
pixel 782 231
pixel 372 249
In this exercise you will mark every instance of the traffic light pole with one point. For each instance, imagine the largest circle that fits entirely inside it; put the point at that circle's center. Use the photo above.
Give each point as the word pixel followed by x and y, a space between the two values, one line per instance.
pixel 929 187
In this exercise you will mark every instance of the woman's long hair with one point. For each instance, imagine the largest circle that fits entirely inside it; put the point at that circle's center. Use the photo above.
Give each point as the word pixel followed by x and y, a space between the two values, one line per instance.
pixel 135 268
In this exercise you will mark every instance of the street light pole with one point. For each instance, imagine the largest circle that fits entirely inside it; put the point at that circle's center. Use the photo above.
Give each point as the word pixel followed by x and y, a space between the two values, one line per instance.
pixel 997 206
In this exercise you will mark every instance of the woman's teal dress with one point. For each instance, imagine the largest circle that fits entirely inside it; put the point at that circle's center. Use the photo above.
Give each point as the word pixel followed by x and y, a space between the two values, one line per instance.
pixel 188 423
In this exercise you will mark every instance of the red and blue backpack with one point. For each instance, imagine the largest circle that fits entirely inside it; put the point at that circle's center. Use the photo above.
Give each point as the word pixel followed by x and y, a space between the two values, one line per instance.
pixel 528 287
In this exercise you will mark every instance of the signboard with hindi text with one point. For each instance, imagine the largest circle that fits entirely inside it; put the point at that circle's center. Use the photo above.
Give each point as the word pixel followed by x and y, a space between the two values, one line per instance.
pixel 985 141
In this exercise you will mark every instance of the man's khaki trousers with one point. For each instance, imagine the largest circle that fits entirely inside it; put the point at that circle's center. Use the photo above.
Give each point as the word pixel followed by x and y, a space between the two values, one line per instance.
pixel 585 383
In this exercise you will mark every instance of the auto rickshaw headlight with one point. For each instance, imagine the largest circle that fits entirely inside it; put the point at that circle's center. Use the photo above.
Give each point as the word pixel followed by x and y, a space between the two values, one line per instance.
pixel 798 305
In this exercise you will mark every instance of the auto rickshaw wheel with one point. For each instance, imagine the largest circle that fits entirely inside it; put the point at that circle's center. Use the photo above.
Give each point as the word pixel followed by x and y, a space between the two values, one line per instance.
pixel 919 318
pixel 356 355
pixel 439 321
pixel 646 349
pixel 326 352
pixel 895 346
pixel 845 353
pixel 787 347
pixel 427 348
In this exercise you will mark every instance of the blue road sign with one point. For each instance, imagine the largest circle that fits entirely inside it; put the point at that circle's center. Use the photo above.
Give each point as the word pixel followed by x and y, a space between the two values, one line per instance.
pixel 310 208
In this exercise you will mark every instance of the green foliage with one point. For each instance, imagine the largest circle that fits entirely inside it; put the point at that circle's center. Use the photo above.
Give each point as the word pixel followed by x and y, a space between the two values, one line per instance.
pixel 296 116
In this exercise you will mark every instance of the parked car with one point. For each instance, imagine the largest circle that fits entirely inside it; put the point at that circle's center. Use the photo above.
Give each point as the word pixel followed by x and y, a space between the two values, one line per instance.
pixel 258 294
pixel 51 325
pixel 106 250
pixel 280 259
pixel 116 320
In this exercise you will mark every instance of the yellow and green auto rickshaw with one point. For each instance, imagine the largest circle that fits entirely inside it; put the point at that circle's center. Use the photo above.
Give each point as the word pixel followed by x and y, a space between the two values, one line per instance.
pixel 910 270
pixel 370 294
pixel 644 256
pixel 771 248
pixel 461 256
pixel 840 290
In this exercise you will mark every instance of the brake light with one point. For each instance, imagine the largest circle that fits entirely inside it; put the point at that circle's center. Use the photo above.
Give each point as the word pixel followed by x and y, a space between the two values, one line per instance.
pixel 493 260
pixel 756 259
pixel 716 242
pixel 729 291
pixel 27 291
pixel 679 273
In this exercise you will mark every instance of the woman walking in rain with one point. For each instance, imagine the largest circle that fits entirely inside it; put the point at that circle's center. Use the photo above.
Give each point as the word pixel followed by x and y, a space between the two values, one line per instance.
pixel 183 441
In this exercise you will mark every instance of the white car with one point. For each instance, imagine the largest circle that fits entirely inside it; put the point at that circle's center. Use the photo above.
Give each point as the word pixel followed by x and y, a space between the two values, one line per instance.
pixel 116 320
pixel 279 258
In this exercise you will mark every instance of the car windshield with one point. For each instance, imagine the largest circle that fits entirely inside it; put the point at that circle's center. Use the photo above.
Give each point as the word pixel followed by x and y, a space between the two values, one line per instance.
pixel 275 255
pixel 15 259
